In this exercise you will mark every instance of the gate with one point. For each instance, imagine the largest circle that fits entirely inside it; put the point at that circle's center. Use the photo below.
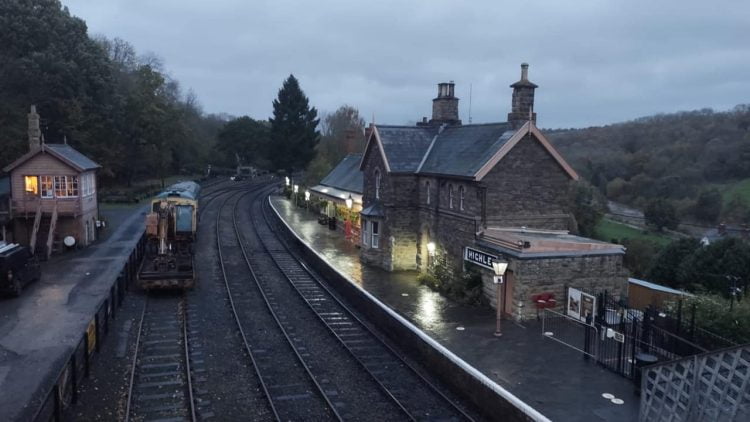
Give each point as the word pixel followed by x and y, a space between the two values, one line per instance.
pixel 569 331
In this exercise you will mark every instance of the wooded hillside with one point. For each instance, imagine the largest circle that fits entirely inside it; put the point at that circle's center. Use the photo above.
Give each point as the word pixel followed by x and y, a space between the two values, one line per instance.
pixel 697 160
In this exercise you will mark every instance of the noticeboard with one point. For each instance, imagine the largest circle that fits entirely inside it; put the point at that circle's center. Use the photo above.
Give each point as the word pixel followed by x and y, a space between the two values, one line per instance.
pixel 580 305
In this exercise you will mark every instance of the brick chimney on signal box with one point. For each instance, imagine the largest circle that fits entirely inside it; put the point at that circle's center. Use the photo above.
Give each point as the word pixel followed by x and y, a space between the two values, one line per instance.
pixel 523 100
pixel 35 134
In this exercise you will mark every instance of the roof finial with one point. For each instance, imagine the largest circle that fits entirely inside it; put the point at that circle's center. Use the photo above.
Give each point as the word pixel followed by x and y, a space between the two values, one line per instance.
pixel 65 140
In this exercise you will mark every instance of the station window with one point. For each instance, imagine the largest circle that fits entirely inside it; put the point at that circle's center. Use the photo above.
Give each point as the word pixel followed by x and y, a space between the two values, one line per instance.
pixel 377 183
pixel 375 233
pixel 366 232
pixel 461 198
pixel 427 188
pixel 31 184
pixel 450 196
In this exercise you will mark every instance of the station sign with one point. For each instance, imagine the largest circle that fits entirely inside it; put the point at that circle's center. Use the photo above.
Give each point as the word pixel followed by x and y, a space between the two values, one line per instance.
pixel 479 258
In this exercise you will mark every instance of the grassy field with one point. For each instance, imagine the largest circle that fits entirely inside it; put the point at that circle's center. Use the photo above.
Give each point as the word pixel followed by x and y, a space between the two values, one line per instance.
pixel 741 188
pixel 607 230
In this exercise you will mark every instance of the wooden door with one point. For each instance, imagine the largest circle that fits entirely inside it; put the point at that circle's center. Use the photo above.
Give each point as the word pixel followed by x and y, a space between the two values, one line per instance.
pixel 510 280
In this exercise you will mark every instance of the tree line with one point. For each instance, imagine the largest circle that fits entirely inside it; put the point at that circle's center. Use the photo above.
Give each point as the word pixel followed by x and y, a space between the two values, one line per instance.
pixel 118 107
pixel 685 159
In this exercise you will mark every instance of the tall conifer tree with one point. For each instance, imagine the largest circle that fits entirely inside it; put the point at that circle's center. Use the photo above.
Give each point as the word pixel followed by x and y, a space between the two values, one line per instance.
pixel 293 128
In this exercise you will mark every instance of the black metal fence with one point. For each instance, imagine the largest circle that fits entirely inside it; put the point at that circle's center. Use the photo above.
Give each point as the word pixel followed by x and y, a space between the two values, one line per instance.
pixel 63 392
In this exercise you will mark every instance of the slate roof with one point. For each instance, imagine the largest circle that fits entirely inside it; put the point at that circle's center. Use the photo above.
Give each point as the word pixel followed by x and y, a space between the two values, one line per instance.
pixel 346 175
pixel 405 146
pixel 72 155
pixel 374 210
pixel 63 152
pixel 463 150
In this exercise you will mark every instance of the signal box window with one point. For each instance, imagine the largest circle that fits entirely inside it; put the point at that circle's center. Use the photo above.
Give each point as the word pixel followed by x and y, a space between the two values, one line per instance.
pixel 31 184
pixel 375 233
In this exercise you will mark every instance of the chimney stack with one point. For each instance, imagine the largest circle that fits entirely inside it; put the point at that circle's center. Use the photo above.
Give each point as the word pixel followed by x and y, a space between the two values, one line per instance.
pixel 35 133
pixel 523 100
pixel 445 106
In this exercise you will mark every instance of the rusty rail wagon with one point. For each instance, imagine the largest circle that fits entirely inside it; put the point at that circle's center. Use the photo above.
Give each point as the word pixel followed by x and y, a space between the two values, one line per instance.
pixel 170 232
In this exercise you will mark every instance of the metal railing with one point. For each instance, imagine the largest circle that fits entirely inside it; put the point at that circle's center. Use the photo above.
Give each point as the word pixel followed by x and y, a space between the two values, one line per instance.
pixel 63 392
pixel 570 331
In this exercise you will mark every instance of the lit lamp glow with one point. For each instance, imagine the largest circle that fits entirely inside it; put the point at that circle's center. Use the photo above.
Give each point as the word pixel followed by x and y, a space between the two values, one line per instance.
pixel 307 195
pixel 431 248
pixel 499 268
pixel 286 180
pixel 349 202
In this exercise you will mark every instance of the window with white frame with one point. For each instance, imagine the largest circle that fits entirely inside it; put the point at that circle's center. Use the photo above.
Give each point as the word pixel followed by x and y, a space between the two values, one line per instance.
pixel 66 186
pixel 87 184
pixel 365 232
pixel 377 183
pixel 48 186
pixel 427 188
pixel 375 226
pixel 450 196
pixel 461 198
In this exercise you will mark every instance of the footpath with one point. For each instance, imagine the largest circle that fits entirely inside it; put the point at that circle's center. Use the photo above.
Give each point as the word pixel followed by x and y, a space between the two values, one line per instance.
pixel 546 375
pixel 40 329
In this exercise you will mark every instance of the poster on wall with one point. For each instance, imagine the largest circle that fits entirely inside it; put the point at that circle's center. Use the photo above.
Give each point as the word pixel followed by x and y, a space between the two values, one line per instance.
pixel 574 303
pixel 580 305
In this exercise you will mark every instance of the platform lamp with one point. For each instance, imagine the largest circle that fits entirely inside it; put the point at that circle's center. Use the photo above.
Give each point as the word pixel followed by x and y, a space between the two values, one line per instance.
pixel 307 199
pixel 296 191
pixel 286 180
pixel 499 268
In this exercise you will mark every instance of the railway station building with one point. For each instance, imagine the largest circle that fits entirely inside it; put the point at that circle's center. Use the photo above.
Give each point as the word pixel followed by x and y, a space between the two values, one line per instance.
pixel 340 193
pixel 52 194
pixel 478 193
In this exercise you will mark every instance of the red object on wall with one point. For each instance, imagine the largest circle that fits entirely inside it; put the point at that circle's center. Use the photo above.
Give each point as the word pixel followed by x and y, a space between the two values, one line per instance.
pixel 348 229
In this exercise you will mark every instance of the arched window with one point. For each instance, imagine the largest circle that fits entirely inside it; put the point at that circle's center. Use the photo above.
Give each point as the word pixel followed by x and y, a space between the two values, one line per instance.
pixel 377 183
pixel 461 198
pixel 427 188
pixel 450 196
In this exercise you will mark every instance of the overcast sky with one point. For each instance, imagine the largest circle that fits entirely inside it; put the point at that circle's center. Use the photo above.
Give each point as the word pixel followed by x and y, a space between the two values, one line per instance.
pixel 595 61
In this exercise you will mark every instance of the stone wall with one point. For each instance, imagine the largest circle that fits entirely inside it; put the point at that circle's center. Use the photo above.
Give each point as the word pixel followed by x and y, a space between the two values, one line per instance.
pixel 528 186
pixel 533 276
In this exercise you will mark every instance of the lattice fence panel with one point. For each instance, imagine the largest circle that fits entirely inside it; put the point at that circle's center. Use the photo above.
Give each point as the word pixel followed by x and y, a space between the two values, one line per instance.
pixel 709 387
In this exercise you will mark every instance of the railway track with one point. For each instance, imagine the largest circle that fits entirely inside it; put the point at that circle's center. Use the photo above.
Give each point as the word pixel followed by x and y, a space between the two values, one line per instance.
pixel 416 396
pixel 292 393
pixel 316 360
pixel 161 387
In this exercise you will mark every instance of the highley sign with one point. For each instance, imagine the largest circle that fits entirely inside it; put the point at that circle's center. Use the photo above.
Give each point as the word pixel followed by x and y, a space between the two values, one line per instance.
pixel 478 257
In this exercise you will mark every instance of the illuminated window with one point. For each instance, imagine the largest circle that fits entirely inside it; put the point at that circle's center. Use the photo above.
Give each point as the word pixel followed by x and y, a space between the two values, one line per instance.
pixel 66 186
pixel 31 184
pixel 48 190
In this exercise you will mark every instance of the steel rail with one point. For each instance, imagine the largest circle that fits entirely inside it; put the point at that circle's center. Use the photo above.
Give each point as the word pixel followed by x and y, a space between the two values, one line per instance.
pixel 264 204
pixel 240 239
pixel 182 307
pixel 236 315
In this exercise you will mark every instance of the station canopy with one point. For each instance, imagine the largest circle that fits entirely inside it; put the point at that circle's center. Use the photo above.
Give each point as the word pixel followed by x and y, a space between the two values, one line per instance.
pixel 344 180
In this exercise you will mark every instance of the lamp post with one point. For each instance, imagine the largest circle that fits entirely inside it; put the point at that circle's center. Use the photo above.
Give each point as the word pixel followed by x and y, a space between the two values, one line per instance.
pixel 499 268
pixel 430 253
pixel 296 190
pixel 286 181
pixel 307 200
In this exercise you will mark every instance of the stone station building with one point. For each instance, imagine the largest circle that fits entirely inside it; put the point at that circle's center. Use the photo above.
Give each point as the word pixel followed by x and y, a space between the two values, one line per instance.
pixel 497 190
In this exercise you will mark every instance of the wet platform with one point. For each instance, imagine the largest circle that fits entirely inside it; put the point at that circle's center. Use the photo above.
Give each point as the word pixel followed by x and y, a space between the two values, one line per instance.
pixel 39 330
pixel 546 375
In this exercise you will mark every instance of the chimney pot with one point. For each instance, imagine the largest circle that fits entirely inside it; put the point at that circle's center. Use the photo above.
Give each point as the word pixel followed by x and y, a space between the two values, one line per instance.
pixel 524 71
